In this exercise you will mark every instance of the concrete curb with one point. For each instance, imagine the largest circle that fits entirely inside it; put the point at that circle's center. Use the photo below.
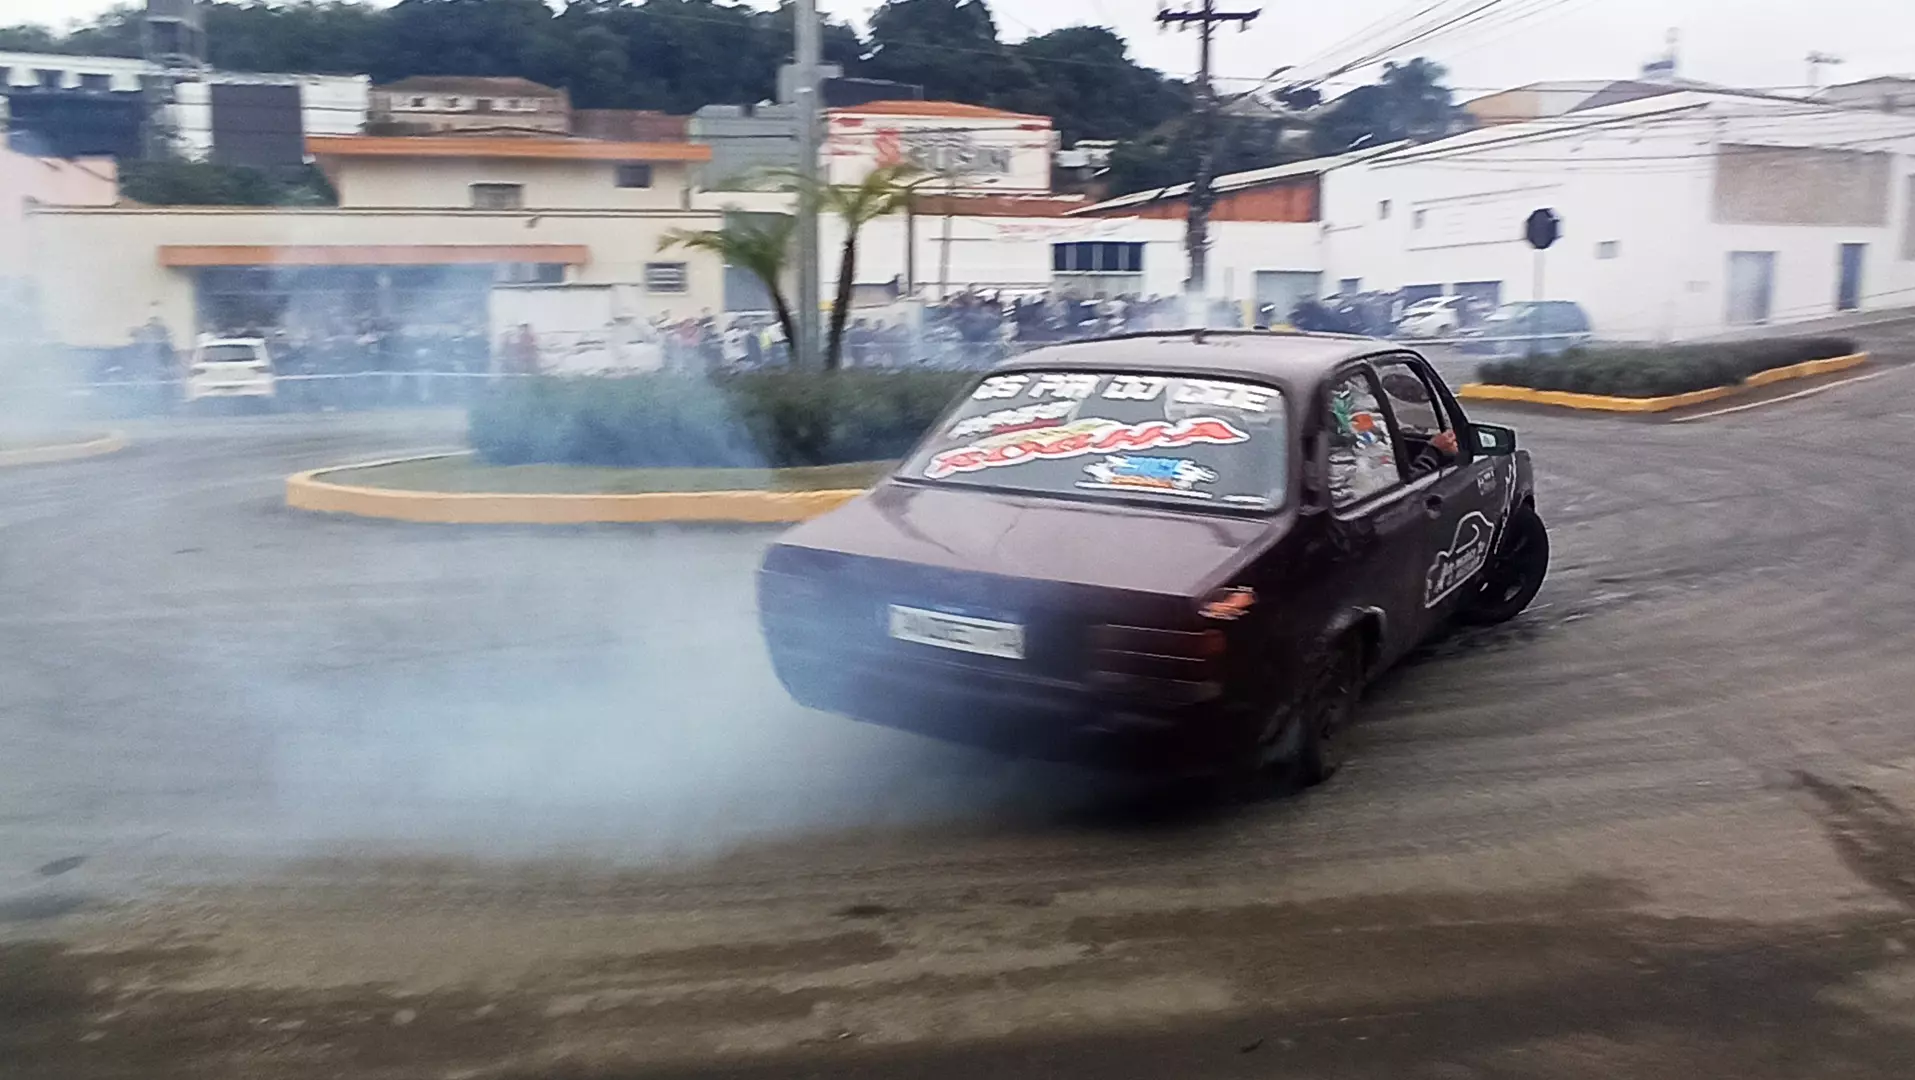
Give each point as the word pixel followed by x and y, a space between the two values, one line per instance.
pixel 1600 403
pixel 110 443
pixel 311 491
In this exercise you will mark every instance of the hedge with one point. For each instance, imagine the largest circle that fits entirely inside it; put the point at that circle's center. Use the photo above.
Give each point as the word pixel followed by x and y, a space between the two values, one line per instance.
pixel 1659 370
pixel 763 419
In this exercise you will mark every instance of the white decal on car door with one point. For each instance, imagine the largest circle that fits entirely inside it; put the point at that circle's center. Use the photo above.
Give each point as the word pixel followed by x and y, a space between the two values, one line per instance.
pixel 1468 553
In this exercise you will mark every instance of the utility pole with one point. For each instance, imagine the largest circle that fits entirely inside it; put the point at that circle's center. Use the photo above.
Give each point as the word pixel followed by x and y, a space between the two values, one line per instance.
pixel 1202 14
pixel 804 351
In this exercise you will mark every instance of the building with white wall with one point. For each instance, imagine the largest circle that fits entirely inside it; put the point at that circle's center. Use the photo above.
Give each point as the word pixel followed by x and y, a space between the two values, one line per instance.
pixel 1684 214
pixel 193 110
pixel 425 227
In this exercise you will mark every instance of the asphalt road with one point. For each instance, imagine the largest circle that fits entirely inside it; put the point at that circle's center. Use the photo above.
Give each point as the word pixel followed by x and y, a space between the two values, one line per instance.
pixel 285 796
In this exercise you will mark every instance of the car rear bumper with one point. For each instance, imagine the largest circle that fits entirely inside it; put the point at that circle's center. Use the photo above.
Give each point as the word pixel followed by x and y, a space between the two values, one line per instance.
pixel 1160 730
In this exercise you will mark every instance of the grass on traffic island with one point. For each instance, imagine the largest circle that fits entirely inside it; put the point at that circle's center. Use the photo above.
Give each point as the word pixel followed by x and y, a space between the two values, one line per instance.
pixel 465 474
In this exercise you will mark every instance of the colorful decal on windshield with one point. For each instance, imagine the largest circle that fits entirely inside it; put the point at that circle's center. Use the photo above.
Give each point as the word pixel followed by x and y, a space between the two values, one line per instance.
pixel 1158 475
pixel 1004 421
pixel 1467 554
pixel 1093 435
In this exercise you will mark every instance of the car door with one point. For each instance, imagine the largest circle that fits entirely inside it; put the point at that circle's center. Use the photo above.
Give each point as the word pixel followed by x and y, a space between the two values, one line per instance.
pixel 1462 492
pixel 1378 521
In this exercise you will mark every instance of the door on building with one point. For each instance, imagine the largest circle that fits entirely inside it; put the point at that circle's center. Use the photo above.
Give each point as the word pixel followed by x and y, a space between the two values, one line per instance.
pixel 1280 291
pixel 1848 288
pixel 1751 286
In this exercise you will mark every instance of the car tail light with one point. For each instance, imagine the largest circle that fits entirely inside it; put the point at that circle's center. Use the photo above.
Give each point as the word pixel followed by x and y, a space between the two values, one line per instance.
pixel 1228 605
pixel 1177 665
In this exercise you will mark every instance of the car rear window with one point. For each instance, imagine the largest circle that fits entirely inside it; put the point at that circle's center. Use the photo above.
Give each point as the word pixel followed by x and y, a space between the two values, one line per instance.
pixel 1114 435
pixel 227 354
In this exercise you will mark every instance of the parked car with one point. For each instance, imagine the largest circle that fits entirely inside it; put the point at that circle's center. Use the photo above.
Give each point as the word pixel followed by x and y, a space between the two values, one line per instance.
pixel 230 368
pixel 1180 553
pixel 1431 317
pixel 1531 326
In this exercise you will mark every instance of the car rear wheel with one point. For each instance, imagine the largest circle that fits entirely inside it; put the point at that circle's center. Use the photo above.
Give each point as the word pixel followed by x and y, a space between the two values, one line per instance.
pixel 1514 574
pixel 1305 744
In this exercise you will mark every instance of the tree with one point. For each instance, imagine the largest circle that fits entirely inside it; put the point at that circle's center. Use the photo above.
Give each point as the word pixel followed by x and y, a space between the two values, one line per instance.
pixel 1084 79
pixel 883 191
pixel 202 183
pixel 949 47
pixel 1409 102
pixel 761 248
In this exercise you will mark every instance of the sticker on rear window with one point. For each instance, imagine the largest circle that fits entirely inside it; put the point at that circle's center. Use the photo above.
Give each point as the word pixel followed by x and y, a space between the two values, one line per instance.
pixel 1094 435
pixel 1159 475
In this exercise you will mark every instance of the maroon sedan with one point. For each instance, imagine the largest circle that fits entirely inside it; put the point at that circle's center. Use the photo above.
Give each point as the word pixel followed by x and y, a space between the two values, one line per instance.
pixel 1184 553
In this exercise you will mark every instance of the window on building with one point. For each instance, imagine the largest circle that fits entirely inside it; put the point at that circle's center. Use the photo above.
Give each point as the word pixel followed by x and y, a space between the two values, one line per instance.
pixel 1908 223
pixel 530 274
pixel 1097 257
pixel 1416 218
pixel 512 104
pixel 49 78
pixel 1383 210
pixel 6 75
pixel 418 103
pixel 498 196
pixel 95 81
pixel 666 277
pixel 635 174
pixel 483 104
pixel 1608 249
pixel 455 103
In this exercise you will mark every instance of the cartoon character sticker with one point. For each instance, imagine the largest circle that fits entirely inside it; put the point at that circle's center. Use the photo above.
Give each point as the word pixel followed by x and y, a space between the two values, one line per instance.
pixel 1468 553
pixel 1165 475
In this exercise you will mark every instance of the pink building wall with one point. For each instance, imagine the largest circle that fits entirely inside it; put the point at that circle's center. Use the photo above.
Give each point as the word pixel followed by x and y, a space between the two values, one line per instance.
pixel 25 180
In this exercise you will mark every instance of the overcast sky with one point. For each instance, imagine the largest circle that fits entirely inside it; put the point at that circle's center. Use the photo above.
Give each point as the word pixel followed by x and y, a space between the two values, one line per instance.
pixel 1739 42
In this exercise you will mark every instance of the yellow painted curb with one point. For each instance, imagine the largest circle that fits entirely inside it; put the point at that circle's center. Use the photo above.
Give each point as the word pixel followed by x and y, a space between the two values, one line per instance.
pixel 110 443
pixel 1601 403
pixel 310 491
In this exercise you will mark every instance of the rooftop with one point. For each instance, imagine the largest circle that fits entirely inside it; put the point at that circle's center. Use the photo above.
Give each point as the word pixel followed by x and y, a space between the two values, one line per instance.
pixel 1299 360
pixel 472 84
pixel 501 147
pixel 948 109
pixel 1238 181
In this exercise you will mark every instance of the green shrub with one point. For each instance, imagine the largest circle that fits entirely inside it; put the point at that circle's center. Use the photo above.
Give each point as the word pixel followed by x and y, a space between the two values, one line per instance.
pixel 761 419
pixel 1659 370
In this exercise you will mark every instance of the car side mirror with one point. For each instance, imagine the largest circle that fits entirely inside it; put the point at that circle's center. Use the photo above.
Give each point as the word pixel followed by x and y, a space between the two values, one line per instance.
pixel 1494 440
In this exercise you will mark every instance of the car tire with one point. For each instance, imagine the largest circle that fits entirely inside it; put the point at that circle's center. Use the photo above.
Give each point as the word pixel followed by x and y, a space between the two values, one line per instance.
pixel 1304 744
pixel 1514 574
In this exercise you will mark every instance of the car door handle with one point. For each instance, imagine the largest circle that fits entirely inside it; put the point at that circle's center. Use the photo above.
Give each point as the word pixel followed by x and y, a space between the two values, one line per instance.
pixel 1433 505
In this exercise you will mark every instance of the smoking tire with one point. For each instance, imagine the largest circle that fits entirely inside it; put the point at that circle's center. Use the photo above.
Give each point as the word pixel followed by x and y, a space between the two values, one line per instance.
pixel 1514 574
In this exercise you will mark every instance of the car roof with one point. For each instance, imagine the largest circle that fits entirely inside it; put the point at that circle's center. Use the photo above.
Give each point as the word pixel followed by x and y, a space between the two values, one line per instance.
pixel 1298 359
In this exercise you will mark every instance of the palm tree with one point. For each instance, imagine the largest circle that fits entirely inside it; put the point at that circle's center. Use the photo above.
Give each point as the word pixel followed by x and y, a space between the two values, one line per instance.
pixel 762 249
pixel 883 191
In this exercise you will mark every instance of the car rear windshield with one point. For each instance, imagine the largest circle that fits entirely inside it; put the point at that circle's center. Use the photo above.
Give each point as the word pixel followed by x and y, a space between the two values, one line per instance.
pixel 227 354
pixel 1114 435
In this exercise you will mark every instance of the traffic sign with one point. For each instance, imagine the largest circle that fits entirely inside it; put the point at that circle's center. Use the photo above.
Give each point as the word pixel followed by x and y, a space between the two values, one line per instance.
pixel 1542 229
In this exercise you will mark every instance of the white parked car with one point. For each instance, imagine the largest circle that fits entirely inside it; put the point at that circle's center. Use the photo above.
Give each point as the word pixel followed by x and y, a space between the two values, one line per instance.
pixel 230 368
pixel 1432 317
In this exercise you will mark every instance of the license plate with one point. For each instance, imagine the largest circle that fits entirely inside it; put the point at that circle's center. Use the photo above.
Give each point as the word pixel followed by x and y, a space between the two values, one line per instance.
pixel 986 637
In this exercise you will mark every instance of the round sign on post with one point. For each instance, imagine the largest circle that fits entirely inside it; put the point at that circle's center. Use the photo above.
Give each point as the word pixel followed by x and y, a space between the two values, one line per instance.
pixel 1542 228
